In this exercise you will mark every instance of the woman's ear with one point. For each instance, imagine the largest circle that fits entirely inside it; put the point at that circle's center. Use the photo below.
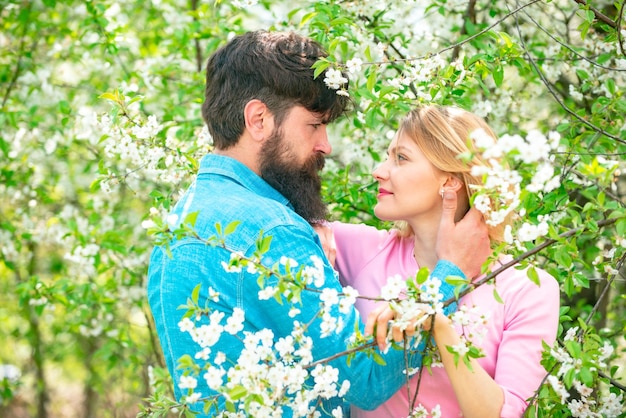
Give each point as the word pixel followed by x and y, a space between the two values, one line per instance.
pixel 453 183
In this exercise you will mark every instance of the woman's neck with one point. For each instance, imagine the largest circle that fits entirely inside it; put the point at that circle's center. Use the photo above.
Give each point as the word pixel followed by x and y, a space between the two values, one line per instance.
pixel 424 241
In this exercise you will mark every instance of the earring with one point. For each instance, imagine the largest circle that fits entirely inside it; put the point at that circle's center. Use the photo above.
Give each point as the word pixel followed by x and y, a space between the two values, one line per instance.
pixel 441 192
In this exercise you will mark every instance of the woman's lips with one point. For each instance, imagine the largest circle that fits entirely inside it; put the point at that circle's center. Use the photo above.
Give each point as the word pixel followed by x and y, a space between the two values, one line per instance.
pixel 383 192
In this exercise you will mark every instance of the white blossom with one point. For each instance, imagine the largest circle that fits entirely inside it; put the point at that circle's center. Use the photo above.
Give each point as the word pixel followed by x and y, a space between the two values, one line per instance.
pixel 393 288
pixel 187 382
pixel 354 65
pixel 334 79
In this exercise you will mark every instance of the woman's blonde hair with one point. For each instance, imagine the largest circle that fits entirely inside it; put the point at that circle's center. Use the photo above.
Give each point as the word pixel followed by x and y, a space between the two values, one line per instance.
pixel 443 134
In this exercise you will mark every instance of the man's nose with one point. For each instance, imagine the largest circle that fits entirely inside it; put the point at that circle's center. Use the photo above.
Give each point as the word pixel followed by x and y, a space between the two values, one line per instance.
pixel 323 145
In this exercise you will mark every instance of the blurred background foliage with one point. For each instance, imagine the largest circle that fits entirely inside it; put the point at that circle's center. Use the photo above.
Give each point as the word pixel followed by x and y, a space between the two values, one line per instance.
pixel 101 129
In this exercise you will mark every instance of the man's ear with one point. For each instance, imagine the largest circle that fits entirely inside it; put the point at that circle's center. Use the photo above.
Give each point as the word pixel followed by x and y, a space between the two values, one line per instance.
pixel 259 122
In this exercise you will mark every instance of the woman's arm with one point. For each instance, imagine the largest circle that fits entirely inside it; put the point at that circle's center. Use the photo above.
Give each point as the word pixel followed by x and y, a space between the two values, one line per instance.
pixel 530 317
pixel 477 393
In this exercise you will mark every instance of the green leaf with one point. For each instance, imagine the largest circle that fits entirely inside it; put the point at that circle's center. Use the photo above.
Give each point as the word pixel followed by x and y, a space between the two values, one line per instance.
pixel 496 296
pixel 533 276
pixel 191 218
pixel 237 393
pixel 563 258
pixel 341 21
pixel 320 66
pixel 610 85
pixel 378 359
pixel 586 377
pixel 456 280
pixel 195 294
pixel 368 53
pixel 620 227
pixel 230 228
pixel 307 17
pixel 422 275
pixel 114 97
pixel 371 79
pixel 263 243
pixel 498 75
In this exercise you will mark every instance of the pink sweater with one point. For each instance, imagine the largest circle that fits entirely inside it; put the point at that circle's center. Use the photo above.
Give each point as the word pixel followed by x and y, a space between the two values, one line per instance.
pixel 366 257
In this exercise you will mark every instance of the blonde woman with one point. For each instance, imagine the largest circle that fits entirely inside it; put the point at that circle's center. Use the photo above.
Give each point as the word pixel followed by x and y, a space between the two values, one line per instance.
pixel 421 174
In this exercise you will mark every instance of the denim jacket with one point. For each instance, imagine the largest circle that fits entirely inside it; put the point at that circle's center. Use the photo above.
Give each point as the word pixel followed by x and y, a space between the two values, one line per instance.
pixel 225 190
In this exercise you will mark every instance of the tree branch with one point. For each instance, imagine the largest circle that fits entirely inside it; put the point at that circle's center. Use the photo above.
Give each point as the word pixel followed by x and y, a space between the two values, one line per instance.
pixel 194 8
pixel 599 15
pixel 470 14
pixel 547 243
pixel 18 66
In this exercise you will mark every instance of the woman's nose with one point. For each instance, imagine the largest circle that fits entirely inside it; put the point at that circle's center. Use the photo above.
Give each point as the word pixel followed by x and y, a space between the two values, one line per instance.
pixel 380 171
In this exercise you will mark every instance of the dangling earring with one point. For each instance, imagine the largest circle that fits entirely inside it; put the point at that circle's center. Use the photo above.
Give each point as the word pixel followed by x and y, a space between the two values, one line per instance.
pixel 441 192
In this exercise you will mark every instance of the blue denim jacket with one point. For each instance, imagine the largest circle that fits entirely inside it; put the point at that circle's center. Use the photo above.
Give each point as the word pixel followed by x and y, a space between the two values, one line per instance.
pixel 225 191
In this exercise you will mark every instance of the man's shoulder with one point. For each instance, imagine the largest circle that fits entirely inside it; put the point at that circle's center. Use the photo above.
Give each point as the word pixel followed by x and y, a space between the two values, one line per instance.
pixel 218 203
pixel 245 204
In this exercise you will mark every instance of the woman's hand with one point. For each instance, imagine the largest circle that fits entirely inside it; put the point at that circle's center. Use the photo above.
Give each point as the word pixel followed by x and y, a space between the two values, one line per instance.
pixel 379 320
pixel 328 241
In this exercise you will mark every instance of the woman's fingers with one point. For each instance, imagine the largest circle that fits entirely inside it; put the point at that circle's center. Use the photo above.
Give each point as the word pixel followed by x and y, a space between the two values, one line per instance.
pixel 409 329
pixel 379 320
pixel 378 324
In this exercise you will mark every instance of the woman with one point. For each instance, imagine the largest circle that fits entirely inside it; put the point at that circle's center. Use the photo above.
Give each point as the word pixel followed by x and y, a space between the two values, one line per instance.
pixel 422 166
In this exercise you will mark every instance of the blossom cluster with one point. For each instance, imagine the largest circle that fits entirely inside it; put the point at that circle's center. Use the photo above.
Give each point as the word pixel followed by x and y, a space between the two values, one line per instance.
pixel 412 307
pixel 139 145
pixel 9 372
pixel 573 373
pixel 334 79
pixel 499 195
pixel 420 411
pixel 274 373
pixel 472 323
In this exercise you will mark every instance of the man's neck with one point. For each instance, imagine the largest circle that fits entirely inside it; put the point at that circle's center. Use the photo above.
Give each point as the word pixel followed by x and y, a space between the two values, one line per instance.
pixel 246 155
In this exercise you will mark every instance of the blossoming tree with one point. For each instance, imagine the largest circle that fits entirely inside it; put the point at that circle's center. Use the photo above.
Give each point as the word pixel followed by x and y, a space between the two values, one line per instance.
pixel 102 130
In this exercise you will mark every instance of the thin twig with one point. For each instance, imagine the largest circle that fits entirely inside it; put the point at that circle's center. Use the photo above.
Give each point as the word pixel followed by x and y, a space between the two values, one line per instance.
pixel 569 48
pixel 557 99
pixel 618 22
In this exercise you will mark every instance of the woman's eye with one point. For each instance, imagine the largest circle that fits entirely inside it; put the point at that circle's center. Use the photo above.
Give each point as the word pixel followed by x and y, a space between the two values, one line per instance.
pixel 400 157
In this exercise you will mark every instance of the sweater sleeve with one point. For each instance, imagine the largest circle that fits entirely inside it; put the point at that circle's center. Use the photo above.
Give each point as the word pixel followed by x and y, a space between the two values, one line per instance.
pixel 532 316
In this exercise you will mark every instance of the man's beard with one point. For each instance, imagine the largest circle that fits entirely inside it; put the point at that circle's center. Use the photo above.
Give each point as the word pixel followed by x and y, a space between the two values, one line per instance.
pixel 301 185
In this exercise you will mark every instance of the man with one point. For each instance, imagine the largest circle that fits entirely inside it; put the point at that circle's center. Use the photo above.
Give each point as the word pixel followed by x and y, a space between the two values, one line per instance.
pixel 267 115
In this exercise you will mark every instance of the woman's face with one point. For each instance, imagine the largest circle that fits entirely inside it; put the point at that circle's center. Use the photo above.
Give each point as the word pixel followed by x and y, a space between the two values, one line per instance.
pixel 408 184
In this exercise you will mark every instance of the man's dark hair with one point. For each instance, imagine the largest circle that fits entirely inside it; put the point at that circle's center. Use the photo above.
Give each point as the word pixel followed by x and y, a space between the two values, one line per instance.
pixel 273 67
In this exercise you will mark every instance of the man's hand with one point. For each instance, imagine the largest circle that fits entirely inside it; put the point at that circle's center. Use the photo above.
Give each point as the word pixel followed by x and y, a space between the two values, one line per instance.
pixel 464 243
